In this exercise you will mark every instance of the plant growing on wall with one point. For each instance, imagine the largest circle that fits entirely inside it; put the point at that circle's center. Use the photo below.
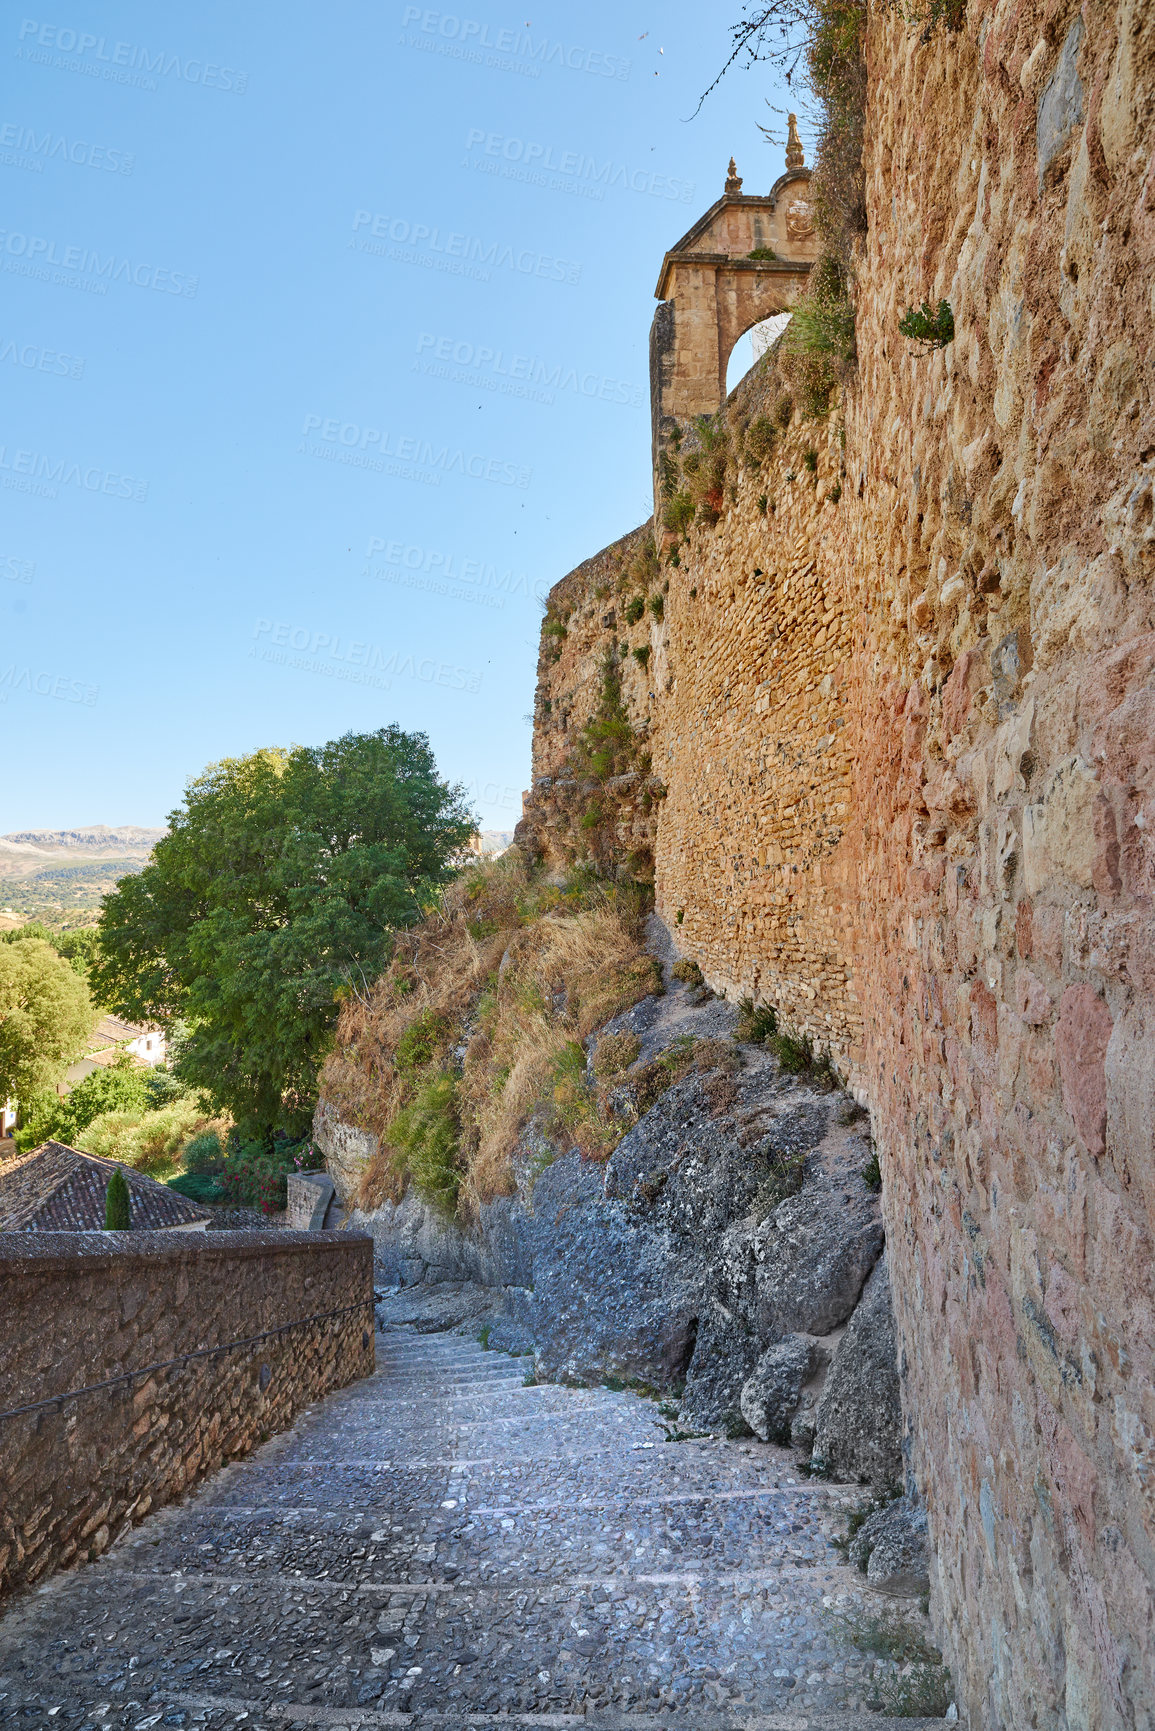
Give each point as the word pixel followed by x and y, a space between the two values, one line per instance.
pixel 817 346
pixel 761 438
pixel 929 327
pixel 679 511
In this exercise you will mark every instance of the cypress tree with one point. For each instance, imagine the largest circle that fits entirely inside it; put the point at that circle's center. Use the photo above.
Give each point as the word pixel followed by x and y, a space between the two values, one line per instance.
pixel 117 1216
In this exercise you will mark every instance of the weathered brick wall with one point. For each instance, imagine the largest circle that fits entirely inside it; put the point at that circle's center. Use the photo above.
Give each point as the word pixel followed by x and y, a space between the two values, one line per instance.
pixel 954 889
pixel 750 740
pixel 743 706
pixel 80 1311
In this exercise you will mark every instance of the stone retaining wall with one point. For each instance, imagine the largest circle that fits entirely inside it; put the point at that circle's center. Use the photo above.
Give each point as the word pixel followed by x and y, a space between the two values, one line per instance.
pixel 185 1352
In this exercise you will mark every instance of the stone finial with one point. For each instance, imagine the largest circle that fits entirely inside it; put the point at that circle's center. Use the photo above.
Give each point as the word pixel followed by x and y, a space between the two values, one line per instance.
pixel 733 178
pixel 793 143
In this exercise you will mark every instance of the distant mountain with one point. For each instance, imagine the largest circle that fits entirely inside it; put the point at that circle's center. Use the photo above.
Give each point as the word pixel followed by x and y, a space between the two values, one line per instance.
pixel 97 838
pixel 61 874
pixel 493 842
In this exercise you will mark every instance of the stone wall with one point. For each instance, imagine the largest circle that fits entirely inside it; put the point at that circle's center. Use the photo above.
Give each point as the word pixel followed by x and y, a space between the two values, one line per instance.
pixel 148 1359
pixel 750 739
pixel 1004 725
pixel 743 706
pixel 585 624
pixel 953 888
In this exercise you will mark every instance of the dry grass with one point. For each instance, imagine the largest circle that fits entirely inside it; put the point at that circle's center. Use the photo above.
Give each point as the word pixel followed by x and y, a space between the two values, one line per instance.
pixel 565 976
pixel 518 970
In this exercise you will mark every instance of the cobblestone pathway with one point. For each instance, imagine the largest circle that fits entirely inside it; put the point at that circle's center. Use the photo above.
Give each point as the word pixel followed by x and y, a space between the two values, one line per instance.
pixel 442 1545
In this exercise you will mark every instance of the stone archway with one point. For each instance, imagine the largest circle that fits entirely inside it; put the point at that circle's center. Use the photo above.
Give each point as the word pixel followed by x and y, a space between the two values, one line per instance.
pixel 747 258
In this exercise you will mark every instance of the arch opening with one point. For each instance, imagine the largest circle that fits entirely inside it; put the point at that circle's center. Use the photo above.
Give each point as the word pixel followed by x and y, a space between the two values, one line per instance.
pixel 752 345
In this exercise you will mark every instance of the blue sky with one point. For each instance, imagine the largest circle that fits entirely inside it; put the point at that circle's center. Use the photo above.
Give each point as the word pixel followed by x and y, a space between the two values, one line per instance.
pixel 323 354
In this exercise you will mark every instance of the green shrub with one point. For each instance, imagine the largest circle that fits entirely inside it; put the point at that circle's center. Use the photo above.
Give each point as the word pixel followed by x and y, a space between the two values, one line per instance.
pixel 117 1207
pixel 923 1687
pixel 658 606
pixel 422 1041
pixel 784 410
pixel 823 1075
pixel 198 1187
pixel 810 460
pixel 794 1052
pixel 756 1022
pixel 689 971
pixel 163 1088
pixel 148 1141
pixel 123 1087
pixel 652 1080
pixel 426 1134
pixel 204 1154
pixel 712 432
pixel 890 1635
pixel 38 1114
pixel 642 655
pixel 256 1172
pixel 763 501
pixel 615 1053
pixel 634 609
pixel 872 1173
pixel 835 493
pixel 920 1692
pixel 764 252
pixel 929 327
pixel 818 343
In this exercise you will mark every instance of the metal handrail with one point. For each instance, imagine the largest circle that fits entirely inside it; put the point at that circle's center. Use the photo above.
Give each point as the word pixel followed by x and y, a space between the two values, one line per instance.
pixel 183 1358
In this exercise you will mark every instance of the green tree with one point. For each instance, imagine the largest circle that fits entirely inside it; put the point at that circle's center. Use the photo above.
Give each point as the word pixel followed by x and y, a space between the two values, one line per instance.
pixel 117 1206
pixel 78 948
pixel 277 892
pixel 124 1087
pixel 46 1017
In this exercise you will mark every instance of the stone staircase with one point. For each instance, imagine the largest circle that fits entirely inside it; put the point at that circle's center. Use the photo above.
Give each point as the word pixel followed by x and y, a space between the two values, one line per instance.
pixel 444 1546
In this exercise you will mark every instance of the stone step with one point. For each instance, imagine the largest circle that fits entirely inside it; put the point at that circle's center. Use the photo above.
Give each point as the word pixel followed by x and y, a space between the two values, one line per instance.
pixel 524 1603
pixel 256 1712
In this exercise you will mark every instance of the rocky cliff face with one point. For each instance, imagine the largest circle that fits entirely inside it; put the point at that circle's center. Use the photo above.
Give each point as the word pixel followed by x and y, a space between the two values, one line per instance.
pixel 899 707
pixel 728 1254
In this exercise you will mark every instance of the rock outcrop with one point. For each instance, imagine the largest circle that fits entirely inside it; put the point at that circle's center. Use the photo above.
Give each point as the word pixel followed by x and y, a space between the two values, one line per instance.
pixel 718 1256
pixel 890 1547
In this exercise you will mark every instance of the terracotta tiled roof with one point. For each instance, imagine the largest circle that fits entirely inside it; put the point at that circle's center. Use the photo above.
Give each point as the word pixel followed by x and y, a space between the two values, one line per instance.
pixel 61 1189
pixel 116 1028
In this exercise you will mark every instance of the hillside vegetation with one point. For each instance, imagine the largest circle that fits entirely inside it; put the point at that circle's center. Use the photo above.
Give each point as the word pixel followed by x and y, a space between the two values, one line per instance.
pixel 478 1024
